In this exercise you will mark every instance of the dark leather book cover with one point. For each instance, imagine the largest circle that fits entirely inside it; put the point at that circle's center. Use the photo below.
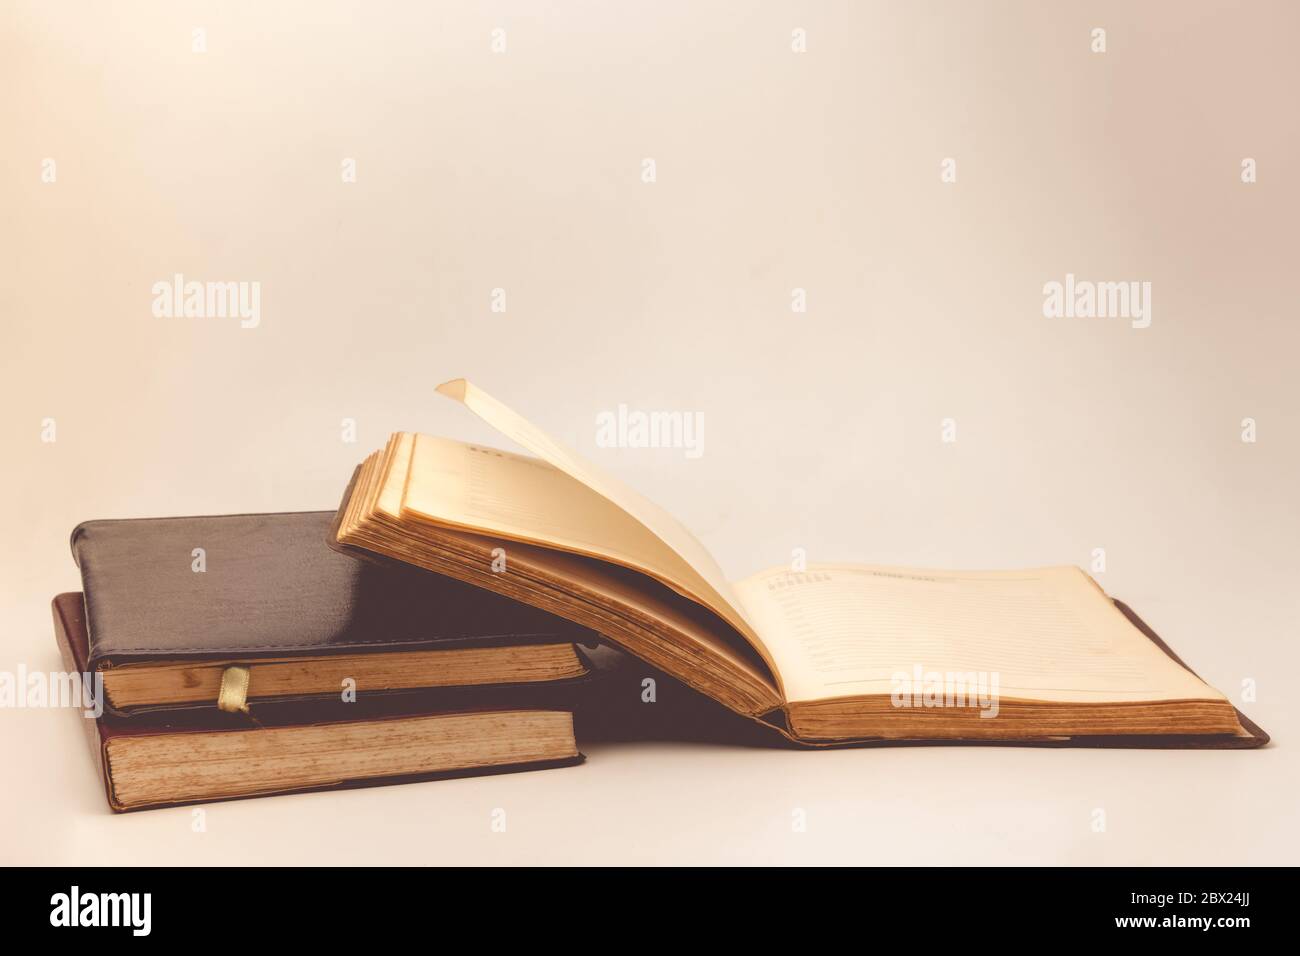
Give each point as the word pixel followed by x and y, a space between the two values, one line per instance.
pixel 162 590
pixel 72 638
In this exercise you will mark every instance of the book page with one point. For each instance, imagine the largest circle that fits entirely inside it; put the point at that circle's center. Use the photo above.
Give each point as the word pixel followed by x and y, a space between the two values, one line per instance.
pixel 843 630
pixel 397 464
pixel 500 494
pixel 650 516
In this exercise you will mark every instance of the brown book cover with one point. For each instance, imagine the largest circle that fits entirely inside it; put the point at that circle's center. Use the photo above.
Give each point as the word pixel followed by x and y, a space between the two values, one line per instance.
pixel 105 731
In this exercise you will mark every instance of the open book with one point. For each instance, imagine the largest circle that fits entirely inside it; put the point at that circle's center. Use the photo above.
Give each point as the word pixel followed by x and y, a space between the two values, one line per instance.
pixel 829 653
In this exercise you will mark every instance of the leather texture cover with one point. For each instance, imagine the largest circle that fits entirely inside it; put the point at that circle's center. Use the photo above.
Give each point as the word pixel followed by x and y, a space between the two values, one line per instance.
pixel 71 635
pixel 272 587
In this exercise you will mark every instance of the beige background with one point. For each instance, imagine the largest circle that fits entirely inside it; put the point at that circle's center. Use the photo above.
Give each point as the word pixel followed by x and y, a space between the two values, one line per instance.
pixel 776 170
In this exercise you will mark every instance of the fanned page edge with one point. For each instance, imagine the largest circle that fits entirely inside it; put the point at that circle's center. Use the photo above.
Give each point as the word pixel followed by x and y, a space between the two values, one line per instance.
pixel 364 531
pixel 510 424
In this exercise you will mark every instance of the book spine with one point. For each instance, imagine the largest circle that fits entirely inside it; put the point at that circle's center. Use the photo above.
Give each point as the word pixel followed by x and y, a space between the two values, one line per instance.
pixel 69 612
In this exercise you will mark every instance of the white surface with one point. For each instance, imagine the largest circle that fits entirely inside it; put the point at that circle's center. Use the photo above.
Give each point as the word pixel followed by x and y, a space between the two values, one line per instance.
pixel 776 171
pixel 657 803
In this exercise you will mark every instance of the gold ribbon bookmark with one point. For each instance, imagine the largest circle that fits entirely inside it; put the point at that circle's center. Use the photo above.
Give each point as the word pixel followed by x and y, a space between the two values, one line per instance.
pixel 233 696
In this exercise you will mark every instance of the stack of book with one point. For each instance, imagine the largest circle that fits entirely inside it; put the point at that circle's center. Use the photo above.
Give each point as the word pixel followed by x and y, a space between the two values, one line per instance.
pixel 239 655
pixel 432 627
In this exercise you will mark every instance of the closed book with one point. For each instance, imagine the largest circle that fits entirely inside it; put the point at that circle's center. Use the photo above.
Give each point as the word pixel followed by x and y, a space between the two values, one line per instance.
pixel 197 756
pixel 173 603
